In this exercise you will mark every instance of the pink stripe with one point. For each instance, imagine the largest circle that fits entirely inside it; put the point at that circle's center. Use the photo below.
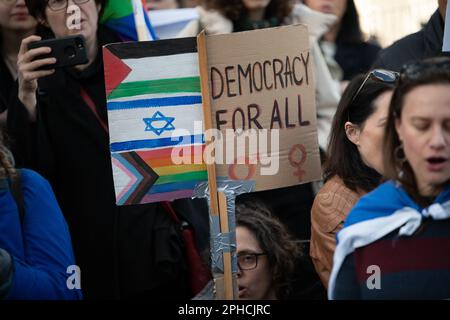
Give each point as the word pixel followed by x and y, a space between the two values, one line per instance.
pixel 167 196
pixel 128 173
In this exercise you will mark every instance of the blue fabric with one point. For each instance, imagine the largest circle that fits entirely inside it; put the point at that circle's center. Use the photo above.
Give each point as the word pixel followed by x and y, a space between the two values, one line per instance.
pixel 42 254
pixel 384 201
pixel 126 27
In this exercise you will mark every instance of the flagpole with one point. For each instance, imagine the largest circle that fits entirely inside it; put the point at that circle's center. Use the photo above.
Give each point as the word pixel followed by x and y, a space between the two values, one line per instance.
pixel 225 285
pixel 141 27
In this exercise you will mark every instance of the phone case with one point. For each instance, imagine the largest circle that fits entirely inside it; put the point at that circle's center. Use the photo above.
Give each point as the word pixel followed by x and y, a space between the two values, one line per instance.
pixel 68 51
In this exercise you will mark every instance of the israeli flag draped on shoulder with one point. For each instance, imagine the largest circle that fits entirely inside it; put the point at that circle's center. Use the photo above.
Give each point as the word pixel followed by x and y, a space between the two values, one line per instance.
pixel 377 214
pixel 129 19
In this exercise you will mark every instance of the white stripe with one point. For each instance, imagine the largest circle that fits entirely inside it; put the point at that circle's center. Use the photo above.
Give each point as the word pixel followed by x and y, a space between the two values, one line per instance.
pixel 165 67
pixel 129 125
pixel 155 96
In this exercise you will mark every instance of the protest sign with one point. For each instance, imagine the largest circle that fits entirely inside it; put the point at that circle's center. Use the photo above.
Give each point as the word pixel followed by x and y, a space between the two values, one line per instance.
pixel 261 89
pixel 153 91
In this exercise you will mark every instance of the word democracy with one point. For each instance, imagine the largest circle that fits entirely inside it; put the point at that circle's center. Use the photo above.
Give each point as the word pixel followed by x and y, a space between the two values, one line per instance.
pixel 274 74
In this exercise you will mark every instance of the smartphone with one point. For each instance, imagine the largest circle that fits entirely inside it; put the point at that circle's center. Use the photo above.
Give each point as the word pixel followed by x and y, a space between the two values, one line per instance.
pixel 68 51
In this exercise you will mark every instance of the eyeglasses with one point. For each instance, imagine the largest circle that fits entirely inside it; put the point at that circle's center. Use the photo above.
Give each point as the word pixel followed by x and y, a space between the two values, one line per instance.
pixel 413 71
pixel 379 75
pixel 248 261
pixel 58 5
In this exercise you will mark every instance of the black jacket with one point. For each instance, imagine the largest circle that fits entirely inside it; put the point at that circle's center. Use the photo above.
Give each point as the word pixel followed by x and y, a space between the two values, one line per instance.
pixel 355 58
pixel 6 85
pixel 426 43
pixel 123 252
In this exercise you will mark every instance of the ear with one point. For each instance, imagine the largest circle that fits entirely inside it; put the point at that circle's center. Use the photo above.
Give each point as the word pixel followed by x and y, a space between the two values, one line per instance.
pixel 352 132
pixel 398 126
pixel 99 7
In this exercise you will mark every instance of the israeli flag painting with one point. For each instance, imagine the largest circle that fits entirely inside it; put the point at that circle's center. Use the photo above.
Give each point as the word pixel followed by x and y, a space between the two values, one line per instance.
pixel 154 111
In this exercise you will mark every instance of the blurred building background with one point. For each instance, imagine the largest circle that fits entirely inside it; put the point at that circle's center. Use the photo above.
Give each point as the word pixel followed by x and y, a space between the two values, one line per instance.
pixel 390 20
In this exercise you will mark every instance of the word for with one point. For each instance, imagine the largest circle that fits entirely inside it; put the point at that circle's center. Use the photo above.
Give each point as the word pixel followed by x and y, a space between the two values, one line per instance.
pixel 252 117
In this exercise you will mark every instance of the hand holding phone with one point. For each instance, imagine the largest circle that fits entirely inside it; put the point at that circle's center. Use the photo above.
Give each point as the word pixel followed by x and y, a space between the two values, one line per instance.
pixel 68 51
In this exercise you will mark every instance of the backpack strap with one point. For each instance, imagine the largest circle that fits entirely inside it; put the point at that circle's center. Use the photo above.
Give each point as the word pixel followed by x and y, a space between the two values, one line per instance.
pixel 16 191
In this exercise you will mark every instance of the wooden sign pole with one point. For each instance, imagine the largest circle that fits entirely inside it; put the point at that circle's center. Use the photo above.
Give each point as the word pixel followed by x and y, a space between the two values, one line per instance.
pixel 218 201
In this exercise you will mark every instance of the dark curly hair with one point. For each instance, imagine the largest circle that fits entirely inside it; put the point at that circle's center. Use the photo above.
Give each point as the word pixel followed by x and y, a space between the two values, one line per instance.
pixel 274 240
pixel 7 169
pixel 235 9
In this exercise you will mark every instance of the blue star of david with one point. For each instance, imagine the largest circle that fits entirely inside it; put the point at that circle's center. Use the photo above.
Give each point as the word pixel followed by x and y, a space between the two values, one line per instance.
pixel 158 116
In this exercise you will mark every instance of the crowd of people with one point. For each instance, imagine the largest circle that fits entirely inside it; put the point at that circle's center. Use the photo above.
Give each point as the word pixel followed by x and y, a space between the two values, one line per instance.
pixel 378 227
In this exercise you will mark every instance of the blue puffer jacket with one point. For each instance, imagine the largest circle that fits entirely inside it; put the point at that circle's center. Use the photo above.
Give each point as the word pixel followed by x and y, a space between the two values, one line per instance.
pixel 40 248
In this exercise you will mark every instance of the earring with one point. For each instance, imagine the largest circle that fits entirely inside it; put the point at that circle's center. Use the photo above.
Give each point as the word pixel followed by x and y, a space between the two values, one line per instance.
pixel 399 155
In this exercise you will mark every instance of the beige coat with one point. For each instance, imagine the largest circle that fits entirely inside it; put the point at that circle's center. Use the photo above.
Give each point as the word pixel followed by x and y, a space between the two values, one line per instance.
pixel 327 89
pixel 329 211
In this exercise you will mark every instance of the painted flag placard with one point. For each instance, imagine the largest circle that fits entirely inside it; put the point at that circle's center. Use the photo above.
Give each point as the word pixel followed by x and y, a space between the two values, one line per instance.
pixel 154 110
pixel 261 89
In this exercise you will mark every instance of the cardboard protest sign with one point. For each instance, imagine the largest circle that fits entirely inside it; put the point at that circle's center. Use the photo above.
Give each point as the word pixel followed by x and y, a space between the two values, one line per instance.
pixel 261 89
pixel 154 101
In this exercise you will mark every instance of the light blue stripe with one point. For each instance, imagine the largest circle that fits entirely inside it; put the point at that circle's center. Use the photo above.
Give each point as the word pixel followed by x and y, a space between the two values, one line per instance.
pixel 156 143
pixel 156 102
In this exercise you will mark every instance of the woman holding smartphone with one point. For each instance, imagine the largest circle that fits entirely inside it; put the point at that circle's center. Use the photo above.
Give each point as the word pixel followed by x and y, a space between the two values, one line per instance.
pixel 114 246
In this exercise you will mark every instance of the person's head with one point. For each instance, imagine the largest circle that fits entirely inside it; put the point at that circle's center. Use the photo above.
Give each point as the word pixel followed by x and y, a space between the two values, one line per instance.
pixel 236 9
pixel 348 19
pixel 442 7
pixel 266 253
pixel 417 141
pixel 336 7
pixel 54 15
pixel 14 16
pixel 356 138
pixel 161 4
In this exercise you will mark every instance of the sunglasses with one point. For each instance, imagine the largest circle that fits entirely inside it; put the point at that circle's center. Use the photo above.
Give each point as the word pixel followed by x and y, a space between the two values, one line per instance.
pixel 379 75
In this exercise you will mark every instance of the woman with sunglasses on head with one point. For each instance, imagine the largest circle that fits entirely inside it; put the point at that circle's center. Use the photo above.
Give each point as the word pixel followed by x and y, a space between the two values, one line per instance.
pixel 395 243
pixel 266 254
pixel 114 246
pixel 354 164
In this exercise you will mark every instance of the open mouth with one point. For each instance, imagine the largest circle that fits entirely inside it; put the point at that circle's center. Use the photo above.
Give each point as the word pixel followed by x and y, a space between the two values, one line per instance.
pixel 436 160
pixel 437 163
